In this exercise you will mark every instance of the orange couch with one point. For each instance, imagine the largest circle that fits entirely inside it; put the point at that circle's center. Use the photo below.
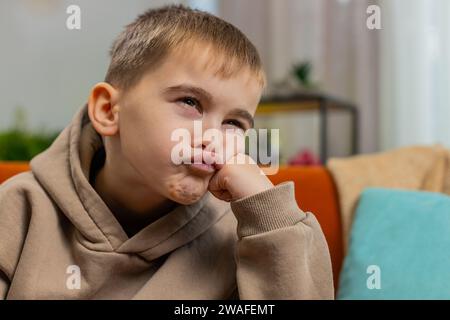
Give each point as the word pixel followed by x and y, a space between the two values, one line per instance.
pixel 314 190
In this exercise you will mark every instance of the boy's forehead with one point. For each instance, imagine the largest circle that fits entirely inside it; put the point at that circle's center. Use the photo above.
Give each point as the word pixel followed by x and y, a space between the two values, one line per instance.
pixel 203 60
pixel 200 65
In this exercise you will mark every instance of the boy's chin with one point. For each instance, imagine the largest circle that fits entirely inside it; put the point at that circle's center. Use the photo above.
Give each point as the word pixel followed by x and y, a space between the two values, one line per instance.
pixel 187 191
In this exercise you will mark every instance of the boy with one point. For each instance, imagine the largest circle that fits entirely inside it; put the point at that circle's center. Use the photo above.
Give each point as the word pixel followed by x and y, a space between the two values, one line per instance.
pixel 106 214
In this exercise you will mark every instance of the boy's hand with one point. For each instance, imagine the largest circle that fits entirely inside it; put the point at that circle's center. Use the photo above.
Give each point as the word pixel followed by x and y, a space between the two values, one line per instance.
pixel 239 177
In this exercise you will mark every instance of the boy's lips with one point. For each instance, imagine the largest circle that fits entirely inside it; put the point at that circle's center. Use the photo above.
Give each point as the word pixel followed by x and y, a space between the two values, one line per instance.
pixel 206 164
pixel 203 167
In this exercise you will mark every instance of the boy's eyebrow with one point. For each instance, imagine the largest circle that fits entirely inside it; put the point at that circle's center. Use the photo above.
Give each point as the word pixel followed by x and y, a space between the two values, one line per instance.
pixel 190 89
pixel 202 93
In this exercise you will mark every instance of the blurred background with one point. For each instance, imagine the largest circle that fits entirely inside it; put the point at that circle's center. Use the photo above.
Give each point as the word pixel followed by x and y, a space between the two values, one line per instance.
pixel 336 87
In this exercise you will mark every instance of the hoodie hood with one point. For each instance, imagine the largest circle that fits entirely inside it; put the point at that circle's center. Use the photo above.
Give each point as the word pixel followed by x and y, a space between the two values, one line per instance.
pixel 63 171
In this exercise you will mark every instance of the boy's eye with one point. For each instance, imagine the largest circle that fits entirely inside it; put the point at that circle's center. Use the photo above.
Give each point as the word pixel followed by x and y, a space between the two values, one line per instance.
pixel 192 102
pixel 235 123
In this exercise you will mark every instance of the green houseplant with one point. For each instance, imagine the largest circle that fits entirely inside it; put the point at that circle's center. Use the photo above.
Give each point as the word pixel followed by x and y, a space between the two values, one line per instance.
pixel 20 144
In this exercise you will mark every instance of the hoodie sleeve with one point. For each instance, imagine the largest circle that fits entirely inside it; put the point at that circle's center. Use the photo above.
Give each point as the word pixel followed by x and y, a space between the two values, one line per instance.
pixel 281 251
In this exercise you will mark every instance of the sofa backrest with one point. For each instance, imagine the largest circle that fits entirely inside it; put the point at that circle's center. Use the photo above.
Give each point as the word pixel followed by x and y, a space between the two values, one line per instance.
pixel 314 191
pixel 11 168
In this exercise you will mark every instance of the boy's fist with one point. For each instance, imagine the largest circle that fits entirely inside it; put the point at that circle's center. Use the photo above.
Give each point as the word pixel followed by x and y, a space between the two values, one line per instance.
pixel 239 177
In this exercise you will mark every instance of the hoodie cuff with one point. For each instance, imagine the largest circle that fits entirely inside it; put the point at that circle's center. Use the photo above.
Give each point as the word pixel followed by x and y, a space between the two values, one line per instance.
pixel 271 209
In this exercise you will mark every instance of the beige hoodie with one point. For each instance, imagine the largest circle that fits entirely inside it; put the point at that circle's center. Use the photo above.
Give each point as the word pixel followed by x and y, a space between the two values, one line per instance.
pixel 58 240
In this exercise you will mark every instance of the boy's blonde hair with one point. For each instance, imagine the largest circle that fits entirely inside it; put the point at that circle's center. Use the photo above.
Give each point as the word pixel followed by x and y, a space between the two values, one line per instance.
pixel 146 42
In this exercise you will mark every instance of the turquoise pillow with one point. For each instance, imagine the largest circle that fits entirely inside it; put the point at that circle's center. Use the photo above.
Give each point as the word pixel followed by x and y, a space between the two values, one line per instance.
pixel 399 247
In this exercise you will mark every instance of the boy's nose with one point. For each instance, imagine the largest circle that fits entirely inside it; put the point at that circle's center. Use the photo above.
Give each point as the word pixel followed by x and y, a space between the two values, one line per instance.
pixel 201 144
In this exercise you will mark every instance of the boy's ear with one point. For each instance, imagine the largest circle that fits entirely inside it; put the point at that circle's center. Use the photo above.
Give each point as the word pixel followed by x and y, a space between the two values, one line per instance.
pixel 103 109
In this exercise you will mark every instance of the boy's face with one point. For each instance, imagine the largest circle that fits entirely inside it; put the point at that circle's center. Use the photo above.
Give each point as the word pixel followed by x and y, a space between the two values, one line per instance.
pixel 179 92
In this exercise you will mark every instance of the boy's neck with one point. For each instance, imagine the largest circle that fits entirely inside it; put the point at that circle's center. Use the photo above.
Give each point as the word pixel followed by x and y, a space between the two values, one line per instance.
pixel 133 206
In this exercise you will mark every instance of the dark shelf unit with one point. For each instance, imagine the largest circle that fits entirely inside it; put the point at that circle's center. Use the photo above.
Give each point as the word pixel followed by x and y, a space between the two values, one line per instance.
pixel 314 101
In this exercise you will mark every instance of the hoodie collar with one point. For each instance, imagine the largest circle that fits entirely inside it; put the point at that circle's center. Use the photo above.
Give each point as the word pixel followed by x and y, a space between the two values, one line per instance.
pixel 63 171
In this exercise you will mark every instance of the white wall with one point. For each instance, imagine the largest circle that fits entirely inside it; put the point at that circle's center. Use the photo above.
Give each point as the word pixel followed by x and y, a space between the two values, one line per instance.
pixel 46 68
